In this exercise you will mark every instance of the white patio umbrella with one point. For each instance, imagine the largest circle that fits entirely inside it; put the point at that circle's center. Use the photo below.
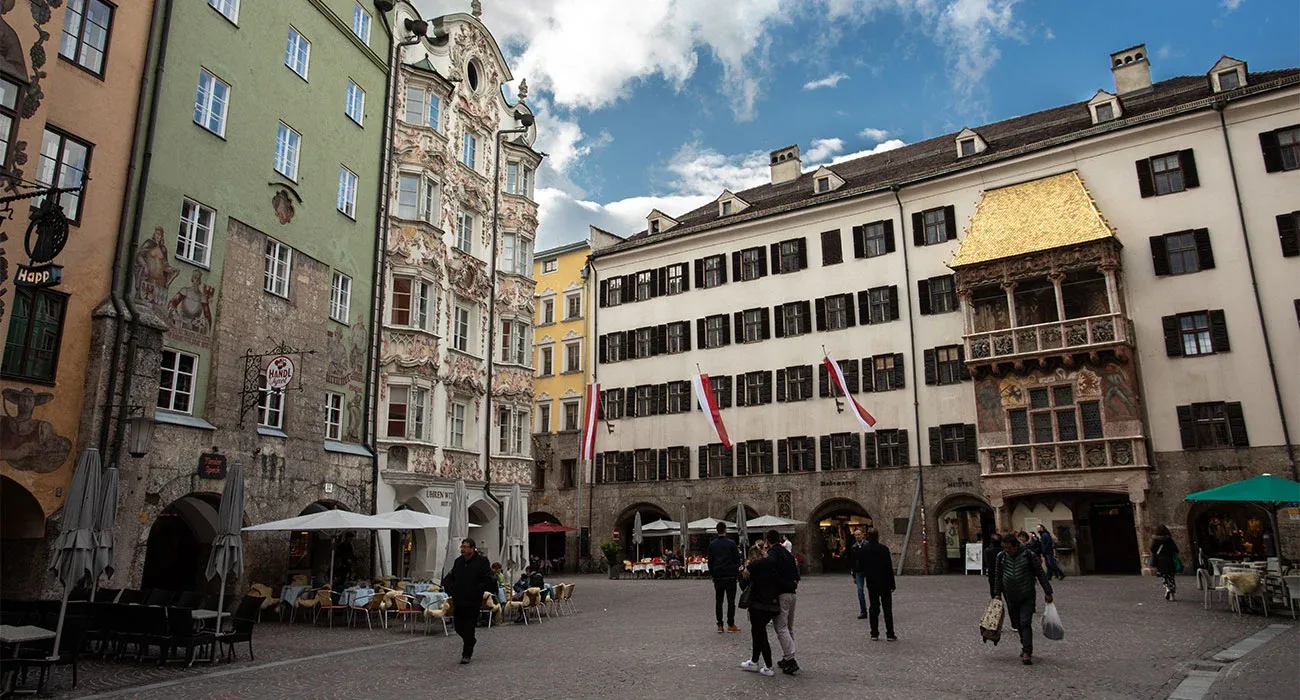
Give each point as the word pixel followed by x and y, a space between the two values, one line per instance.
pixel 227 555
pixel 773 522
pixel 705 526
pixel 105 523
pixel 407 519
pixel 458 527
pixel 516 534
pixel 660 527
pixel 74 550
pixel 742 528
pixel 637 535
pixel 329 522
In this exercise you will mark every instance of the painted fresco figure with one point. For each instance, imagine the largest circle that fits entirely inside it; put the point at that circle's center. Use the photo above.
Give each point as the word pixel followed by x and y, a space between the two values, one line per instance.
pixel 28 443
pixel 191 308
pixel 153 270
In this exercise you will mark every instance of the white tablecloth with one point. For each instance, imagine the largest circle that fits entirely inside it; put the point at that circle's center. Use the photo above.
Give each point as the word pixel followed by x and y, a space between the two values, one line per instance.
pixel 698 567
pixel 290 593
pixel 357 596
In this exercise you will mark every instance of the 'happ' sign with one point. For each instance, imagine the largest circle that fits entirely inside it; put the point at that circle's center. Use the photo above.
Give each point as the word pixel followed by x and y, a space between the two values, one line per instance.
pixel 279 372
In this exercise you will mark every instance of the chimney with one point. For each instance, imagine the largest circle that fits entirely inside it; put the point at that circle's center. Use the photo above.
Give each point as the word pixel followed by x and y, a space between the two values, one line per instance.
pixel 1132 70
pixel 785 164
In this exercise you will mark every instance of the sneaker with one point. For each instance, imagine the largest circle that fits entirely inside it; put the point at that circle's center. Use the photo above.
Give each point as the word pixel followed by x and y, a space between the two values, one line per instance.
pixel 791 667
pixel 765 671
pixel 464 659
pixel 1026 659
pixel 875 637
pixel 720 629
pixel 748 665
pixel 863 616
pixel 732 628
pixel 891 638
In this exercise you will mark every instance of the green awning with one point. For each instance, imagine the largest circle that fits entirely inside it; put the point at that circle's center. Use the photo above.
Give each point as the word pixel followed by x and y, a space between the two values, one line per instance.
pixel 1261 489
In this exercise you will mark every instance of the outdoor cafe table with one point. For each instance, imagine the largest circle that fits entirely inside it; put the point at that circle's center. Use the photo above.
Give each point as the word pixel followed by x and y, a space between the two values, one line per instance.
pixel 430 599
pixel 288 594
pixel 357 596
pixel 414 588
pixel 17 636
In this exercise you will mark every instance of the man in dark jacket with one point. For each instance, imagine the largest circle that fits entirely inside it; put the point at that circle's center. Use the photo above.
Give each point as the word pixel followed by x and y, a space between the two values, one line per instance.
pixel 878 570
pixel 1047 546
pixel 470 577
pixel 1016 572
pixel 859 541
pixel 724 567
pixel 787 570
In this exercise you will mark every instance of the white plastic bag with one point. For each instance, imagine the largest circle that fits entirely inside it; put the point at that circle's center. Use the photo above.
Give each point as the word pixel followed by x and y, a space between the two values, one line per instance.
pixel 1052 628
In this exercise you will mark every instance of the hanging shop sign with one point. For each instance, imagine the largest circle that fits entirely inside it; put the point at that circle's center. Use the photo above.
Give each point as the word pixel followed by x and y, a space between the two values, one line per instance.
pixel 279 372
pixel 212 465
pixel 46 235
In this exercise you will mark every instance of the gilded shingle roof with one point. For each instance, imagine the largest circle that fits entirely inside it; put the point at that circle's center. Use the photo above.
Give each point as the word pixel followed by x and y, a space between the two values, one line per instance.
pixel 1048 213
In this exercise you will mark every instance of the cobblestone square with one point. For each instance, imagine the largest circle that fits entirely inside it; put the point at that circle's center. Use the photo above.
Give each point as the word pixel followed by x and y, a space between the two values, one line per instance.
pixel 656 639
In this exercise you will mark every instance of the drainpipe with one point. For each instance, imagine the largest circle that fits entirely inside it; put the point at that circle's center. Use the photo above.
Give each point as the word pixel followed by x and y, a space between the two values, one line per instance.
pixel 116 294
pixel 593 281
pixel 918 500
pixel 1219 107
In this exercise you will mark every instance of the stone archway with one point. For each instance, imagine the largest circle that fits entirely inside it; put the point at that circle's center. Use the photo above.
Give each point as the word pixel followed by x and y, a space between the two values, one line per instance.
pixel 413 552
pixel 180 540
pixel 22 532
pixel 1228 530
pixel 960 519
pixel 830 533
pixel 309 552
pixel 21 516
pixel 650 512
pixel 551 547
pixel 487 535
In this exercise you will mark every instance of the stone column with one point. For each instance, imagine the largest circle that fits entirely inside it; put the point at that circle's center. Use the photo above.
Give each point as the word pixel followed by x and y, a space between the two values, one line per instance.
pixel 1112 288
pixel 1056 278
pixel 1010 289
pixel 1143 530
pixel 967 311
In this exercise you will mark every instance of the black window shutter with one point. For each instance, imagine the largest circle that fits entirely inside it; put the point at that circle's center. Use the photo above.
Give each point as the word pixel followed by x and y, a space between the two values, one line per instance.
pixel 742 464
pixel 1146 183
pixel 782 460
pixel 1272 152
pixel 661 340
pixel 889 235
pixel 629 345
pixel 893 302
pixel 1188 163
pixel 701 331
pixel 972 443
pixel 848 310
pixel 950 221
pixel 663 464
pixel 832 251
pixel 1173 338
pixel 823 382
pixel 1187 427
pixel 859 242
pixel 1236 424
pixel 780 386
pixel 629 288
pixel 740 390
pixel 864 307
pixel 604 294
pixel 661 393
pixel 1204 251
pixel 778 320
pixel 722 269
pixel 826 452
pixel 739 318
pixel 899 377
pixel 963 372
pixel 1159 255
pixel 765 387
pixel 869 450
pixel 806 307
pixel 904 458
pixel 762 265
pixel 1288 229
pixel 849 368
pixel 767 323
pixel 603 352
pixel 1219 331
pixel 918 229
pixel 661 288
pixel 699 273
pixel 803 252
pixel 629 402
pixel 868 374
pixel 936 447
pixel 923 294
pixel 686 335
pixel 600 468
pixel 600 405
pixel 704 461
pixel 725 399
pixel 726 332
pixel 735 264
pixel 821 314
pixel 855 452
pixel 776 259
pixel 931 367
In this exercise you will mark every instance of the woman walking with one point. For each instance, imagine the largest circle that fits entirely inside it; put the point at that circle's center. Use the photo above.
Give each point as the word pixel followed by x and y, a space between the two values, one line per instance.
pixel 759 577
pixel 1164 552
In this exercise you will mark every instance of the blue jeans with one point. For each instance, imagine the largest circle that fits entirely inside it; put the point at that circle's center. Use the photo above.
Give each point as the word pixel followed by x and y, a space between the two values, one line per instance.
pixel 861 580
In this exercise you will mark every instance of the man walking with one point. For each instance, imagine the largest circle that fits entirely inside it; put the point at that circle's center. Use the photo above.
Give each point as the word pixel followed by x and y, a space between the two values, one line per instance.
pixel 1017 570
pixel 1047 546
pixel 470 577
pixel 724 567
pixel 787 571
pixel 878 571
pixel 860 539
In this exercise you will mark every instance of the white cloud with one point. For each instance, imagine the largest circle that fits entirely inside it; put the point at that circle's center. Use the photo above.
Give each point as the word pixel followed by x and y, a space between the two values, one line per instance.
pixel 1231 5
pixel 889 145
pixel 829 81
pixel 1048 34
pixel 823 149
pixel 973 27
pixel 874 135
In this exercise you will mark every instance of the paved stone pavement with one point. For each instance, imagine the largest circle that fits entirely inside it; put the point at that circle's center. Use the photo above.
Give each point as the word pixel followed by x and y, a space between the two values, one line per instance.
pixel 656 639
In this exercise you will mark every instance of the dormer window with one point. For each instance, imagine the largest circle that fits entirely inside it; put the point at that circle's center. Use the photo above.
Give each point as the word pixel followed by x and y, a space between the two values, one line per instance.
pixel 725 208
pixel 967 147
pixel 823 184
pixel 654 226
pixel 970 143
pixel 1105 112
pixel 1227 74
pixel 1104 107
pixel 1228 80
pixel 826 180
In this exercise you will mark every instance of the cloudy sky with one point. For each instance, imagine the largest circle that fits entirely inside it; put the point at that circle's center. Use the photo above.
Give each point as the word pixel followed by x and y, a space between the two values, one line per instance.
pixel 664 103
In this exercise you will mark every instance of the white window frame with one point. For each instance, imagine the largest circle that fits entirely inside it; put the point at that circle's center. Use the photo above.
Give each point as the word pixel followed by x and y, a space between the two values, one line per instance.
pixel 288 146
pixel 172 390
pixel 228 9
pixel 297 50
pixel 546 360
pixel 64 161
pixel 279 267
pixel 340 297
pixel 355 103
pixel 469 150
pixel 457 422
pixel 572 350
pixel 415 422
pixel 823 184
pixel 514 342
pixel 465 232
pixel 550 266
pixel 334 403
pixel 361 24
pixel 568 300
pixel 543 414
pixel 194 239
pixel 347 197
pixel 462 330
pixel 270 406
pixel 419 309
pixel 516 254
pixel 210 106
pixel 577 413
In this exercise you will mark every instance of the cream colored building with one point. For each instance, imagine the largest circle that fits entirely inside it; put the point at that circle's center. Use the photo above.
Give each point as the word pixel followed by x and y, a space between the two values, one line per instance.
pixel 1074 317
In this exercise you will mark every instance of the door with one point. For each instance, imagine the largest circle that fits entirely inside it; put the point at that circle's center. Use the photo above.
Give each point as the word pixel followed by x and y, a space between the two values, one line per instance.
pixel 1114 539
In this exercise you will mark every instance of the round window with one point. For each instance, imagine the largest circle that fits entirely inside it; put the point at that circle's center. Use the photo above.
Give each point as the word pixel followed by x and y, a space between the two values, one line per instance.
pixel 471 73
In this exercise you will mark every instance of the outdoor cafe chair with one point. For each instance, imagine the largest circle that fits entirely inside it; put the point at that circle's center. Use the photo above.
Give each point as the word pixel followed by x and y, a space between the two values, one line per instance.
pixel 107 595
pixel 532 601
pixel 242 624
pixel 406 608
pixel 131 595
pixel 568 598
pixel 557 597
pixel 489 608
pixel 309 601
pixel 182 634
pixel 159 596
pixel 268 599
pixel 153 631
pixel 440 613
pixel 74 635
pixel 365 606
pixel 190 600
pixel 1292 583
pixel 325 603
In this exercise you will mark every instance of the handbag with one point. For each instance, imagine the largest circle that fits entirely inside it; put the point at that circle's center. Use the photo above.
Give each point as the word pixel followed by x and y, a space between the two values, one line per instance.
pixel 991 622
pixel 1178 564
pixel 743 603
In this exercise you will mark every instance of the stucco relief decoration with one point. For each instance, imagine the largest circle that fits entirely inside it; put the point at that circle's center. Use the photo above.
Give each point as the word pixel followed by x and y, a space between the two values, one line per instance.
pixel 153 270
pixel 419 146
pixel 411 352
pixel 189 313
pixel 12 63
pixel 1087 384
pixel 511 382
pixel 468 275
pixel 465 373
pixel 413 247
pixel 28 443
pixel 461 466
pixel 283 205
pixel 422 460
pixel 514 294
pixel 512 472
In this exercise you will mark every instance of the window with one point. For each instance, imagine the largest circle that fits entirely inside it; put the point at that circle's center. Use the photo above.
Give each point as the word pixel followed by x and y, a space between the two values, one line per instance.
pixel 85 33
pixel 615 347
pixel 874 239
pixel 754 457
pixel 1182 252
pixel 654 226
pixel 547 362
pixel 791 256
pixel 755 388
pixel 418 198
pixel 519 179
pixel 510 431
pixel 793 319
pixel 802 454
pixel 645 466
pixel 456 424
pixel 573 306
pixel 967 147
pixel 882 305
pixel 716 333
pixel 229 8
pixel 952 445
pixel 937 295
pixel 422 108
pixel 194 240
pixel 347 200
pixel 753 321
pixel 210 103
pixel 794 383
pixel 1288 231
pixel 715 459
pixel 841 451
pixel 1212 425
pixel 837 312
pixel 679 463
pixel 573 357
pixel 270 406
pixel 287 142
pixel 8 118
pixel 643 401
pixel 469 150
pixel 516 254
pixel 549 266
pixel 1105 112
pixel 1054 416
pixel 465 232
pixel 886 372
pixel 611 403
pixel 361 24
pixel 752 264
pixel 356 102
pixel 823 185
pixel 63 164
pixel 891 448
pixel 1166 174
pixel 297 53
pixel 1281 149
pixel 721 389
pixel 412 303
pixel 679 337
pixel 514 342
pixel 832 252
pixel 460 328
pixel 1228 80
pixel 676 278
pixel 645 285
pixel 945 365
pixel 713 271
pixel 333 416
pixel 278 261
pixel 1196 333
pixel 828 388
pixel 613 291
pixel 543 418
pixel 548 312
pixel 340 297
pixel 572 412
pixel 726 208
pixel 35 330
pixel 679 397
pixel 935 226
pixel 175 380
pixel 643 343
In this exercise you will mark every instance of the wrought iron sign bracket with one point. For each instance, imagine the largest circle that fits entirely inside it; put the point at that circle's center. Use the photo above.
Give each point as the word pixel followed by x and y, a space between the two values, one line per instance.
pixel 254 364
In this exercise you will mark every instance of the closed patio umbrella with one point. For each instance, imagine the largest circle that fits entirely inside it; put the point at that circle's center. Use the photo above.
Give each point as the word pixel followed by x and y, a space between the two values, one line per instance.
pixel 684 533
pixel 74 550
pixel 458 525
pixel 516 533
pixel 227 555
pixel 742 528
pixel 105 523
pixel 637 535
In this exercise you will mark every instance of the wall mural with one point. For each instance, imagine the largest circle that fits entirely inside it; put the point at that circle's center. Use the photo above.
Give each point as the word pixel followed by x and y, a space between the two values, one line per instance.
pixel 189 313
pixel 988 406
pixel 153 270
pixel 28 443
pixel 283 205
pixel 1119 394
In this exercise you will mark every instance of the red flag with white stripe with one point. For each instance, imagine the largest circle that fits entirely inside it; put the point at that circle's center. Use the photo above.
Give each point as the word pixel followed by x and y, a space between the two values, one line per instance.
pixel 833 368
pixel 709 404
pixel 591 415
